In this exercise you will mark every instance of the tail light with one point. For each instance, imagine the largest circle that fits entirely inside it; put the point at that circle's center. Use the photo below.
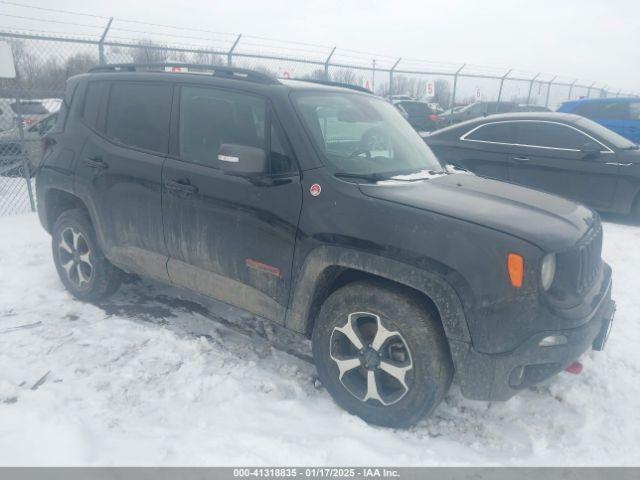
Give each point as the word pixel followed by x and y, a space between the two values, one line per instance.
pixel 25 122
pixel 433 118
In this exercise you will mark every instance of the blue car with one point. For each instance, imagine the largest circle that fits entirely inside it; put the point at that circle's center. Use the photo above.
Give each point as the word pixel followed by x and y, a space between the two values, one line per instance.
pixel 622 115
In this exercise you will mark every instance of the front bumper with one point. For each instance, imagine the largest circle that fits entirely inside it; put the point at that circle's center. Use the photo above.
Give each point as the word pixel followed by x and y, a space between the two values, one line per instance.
pixel 500 376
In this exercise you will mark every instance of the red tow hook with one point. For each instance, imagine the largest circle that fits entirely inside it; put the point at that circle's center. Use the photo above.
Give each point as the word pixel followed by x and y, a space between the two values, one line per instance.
pixel 575 368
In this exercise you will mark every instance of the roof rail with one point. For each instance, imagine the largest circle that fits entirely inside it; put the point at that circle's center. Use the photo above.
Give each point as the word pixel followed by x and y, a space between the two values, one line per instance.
pixel 336 84
pixel 216 70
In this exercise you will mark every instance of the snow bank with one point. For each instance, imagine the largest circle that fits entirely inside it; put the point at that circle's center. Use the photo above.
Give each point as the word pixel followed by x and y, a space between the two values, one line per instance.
pixel 151 380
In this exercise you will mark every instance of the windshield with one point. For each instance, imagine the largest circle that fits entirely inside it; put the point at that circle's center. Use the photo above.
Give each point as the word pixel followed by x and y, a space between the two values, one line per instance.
pixel 360 134
pixel 29 108
pixel 618 141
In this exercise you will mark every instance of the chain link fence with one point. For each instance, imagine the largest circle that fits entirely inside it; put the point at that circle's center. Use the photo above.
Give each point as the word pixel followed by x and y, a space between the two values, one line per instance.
pixel 29 102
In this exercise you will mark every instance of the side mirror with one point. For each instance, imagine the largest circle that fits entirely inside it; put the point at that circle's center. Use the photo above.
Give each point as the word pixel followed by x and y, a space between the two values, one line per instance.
pixel 591 150
pixel 242 161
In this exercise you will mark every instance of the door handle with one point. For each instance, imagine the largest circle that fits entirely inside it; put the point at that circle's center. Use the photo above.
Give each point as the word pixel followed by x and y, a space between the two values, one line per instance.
pixel 520 159
pixel 96 162
pixel 181 186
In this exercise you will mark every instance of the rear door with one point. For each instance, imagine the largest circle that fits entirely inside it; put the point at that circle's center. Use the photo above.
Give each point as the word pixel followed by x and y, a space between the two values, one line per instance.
pixel 119 172
pixel 562 159
pixel 228 237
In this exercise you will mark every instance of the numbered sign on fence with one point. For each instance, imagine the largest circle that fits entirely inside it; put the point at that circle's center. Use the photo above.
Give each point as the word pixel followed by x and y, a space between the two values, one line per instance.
pixel 430 90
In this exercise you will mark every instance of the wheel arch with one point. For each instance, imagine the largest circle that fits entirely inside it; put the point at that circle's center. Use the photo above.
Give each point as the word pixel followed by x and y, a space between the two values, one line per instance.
pixel 327 268
pixel 56 202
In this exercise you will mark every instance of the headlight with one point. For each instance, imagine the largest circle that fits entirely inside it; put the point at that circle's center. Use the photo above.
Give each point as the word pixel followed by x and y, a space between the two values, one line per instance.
pixel 548 270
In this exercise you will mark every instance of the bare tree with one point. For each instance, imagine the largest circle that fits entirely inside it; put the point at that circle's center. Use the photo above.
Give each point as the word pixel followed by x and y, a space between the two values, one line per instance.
pixel 149 51
pixel 442 92
pixel 318 74
pixel 345 75
pixel 204 58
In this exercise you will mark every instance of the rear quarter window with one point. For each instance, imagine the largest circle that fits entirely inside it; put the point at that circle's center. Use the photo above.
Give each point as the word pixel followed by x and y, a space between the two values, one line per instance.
pixel 92 101
pixel 138 115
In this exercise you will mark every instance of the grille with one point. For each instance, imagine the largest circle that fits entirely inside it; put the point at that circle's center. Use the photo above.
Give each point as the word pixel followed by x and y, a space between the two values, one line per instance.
pixel 578 268
pixel 589 259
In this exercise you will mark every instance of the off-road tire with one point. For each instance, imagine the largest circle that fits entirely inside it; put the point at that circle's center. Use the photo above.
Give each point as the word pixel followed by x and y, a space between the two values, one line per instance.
pixel 102 278
pixel 403 312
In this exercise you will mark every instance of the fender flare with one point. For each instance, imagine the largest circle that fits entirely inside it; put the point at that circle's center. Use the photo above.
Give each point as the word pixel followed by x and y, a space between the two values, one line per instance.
pixel 432 284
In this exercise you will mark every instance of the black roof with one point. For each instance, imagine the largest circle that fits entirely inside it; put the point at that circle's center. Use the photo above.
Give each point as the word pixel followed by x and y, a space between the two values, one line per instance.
pixel 224 72
pixel 501 117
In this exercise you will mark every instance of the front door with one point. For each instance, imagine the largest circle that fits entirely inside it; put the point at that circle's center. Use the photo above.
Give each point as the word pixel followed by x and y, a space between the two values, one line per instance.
pixel 560 159
pixel 228 237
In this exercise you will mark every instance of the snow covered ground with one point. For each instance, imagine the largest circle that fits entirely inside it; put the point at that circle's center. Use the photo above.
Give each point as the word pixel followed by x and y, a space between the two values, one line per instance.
pixel 150 379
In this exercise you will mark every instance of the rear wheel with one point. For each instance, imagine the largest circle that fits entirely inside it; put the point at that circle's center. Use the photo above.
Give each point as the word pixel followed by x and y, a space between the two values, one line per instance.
pixel 80 263
pixel 380 351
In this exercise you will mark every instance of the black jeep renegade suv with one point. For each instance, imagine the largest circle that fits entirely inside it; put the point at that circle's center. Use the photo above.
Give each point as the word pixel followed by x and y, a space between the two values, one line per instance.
pixel 321 209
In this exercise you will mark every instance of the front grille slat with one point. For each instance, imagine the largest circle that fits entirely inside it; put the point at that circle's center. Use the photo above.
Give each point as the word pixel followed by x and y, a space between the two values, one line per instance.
pixel 589 258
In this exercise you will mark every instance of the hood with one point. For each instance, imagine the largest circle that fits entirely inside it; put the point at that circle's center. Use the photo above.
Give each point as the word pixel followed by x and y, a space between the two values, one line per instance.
pixel 548 221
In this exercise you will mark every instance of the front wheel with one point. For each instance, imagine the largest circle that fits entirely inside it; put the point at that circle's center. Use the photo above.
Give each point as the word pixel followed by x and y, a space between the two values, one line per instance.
pixel 381 352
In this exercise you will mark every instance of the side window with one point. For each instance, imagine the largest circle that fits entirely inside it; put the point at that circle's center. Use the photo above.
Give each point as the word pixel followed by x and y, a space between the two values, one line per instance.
pixel 545 134
pixel 210 117
pixel 92 101
pixel 500 132
pixel 138 115
pixel 603 110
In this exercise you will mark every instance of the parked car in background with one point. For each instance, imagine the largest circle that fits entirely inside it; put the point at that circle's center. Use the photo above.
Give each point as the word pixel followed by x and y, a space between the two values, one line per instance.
pixel 563 154
pixel 622 115
pixel 29 111
pixel 13 148
pixel 437 109
pixel 400 96
pixel 528 107
pixel 419 114
pixel 476 110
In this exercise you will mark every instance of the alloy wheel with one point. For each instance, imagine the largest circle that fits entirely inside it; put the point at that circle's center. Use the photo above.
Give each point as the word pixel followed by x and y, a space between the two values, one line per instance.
pixel 75 257
pixel 374 363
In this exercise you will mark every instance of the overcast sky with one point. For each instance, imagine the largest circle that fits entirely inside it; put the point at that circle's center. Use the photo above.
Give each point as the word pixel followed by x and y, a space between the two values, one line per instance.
pixel 593 40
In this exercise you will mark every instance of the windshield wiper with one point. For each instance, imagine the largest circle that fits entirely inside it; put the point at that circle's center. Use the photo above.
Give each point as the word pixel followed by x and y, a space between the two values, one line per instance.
pixel 369 177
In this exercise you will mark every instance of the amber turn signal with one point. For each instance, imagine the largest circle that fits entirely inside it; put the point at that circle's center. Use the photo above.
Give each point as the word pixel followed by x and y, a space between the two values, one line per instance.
pixel 515 266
